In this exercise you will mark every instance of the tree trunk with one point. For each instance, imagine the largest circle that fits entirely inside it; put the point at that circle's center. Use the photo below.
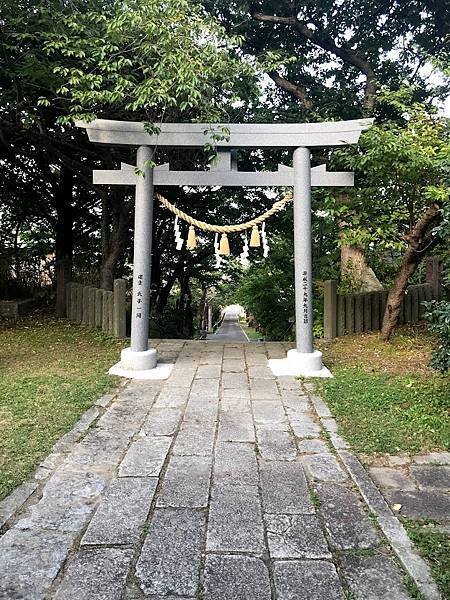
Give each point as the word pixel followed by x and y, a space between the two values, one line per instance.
pixel 354 267
pixel 108 270
pixel 114 231
pixel 63 238
pixel 202 310
pixel 164 292
pixel 17 263
pixel 180 269
pixel 161 285
pixel 420 241
pixel 185 307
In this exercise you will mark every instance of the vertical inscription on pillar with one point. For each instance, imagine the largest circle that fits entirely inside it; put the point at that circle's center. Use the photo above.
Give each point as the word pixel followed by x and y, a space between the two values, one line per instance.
pixel 305 298
pixel 139 296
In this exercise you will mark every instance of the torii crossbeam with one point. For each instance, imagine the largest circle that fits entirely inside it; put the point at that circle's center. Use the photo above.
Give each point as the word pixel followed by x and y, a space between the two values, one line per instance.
pixel 139 360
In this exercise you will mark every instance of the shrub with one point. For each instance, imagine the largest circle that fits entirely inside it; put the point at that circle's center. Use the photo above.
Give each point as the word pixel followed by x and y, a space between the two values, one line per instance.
pixel 438 314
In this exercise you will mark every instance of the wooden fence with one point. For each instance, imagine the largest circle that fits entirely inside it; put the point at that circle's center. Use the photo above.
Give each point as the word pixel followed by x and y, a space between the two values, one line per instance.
pixel 354 313
pixel 98 308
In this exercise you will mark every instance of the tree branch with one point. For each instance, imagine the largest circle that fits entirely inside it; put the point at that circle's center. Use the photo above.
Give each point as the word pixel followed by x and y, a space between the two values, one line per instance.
pixel 420 241
pixel 327 43
pixel 298 91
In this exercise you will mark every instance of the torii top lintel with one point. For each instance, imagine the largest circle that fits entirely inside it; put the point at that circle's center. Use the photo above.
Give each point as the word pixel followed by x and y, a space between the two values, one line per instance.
pixel 241 135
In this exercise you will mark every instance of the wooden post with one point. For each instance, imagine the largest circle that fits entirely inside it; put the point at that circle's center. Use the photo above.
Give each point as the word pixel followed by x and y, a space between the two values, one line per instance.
pixel 428 293
pixel 350 313
pixel 120 290
pixel 105 311
pixel 401 314
pixel 68 296
pixel 85 318
pixel 421 299
pixel 110 304
pixel 340 315
pixel 414 292
pixel 407 306
pixel 73 301
pixel 330 309
pixel 98 307
pixel 92 295
pixel 375 301
pixel 434 270
pixel 359 312
pixel 368 312
pixel 79 318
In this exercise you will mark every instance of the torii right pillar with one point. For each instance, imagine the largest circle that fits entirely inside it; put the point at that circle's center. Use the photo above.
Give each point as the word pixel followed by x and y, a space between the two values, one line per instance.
pixel 303 360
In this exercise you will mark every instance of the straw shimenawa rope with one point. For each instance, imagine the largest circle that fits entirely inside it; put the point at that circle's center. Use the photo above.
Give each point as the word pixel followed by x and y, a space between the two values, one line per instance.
pixel 277 206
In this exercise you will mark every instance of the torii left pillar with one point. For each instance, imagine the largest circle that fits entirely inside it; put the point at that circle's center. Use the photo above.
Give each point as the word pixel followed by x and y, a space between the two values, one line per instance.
pixel 139 357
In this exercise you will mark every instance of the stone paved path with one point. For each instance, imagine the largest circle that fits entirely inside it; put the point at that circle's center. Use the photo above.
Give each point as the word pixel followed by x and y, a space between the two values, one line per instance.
pixel 219 483
pixel 229 331
pixel 418 485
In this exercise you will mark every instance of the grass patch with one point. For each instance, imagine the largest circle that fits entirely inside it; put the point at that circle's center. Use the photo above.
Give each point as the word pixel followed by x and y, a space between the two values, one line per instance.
pixel 380 413
pixel 50 372
pixel 251 333
pixel 315 498
pixel 434 547
pixel 384 397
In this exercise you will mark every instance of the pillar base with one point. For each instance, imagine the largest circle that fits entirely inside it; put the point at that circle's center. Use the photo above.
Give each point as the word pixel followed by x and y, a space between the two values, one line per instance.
pixel 161 371
pixel 140 365
pixel 138 361
pixel 300 364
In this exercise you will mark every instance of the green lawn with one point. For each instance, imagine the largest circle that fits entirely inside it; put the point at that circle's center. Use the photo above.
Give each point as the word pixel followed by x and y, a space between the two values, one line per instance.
pixel 386 400
pixel 50 373
pixel 251 333
pixel 435 547
pixel 384 397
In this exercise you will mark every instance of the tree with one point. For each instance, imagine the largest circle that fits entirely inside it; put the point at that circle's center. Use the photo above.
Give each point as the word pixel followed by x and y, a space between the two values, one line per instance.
pixel 404 165
pixel 438 313
pixel 328 60
pixel 151 62
pixel 143 61
pixel 266 290
pixel 146 59
pixel 50 160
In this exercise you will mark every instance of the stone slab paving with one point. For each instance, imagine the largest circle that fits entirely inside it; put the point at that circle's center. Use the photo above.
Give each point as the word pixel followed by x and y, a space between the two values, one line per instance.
pixel 229 331
pixel 217 484
pixel 418 487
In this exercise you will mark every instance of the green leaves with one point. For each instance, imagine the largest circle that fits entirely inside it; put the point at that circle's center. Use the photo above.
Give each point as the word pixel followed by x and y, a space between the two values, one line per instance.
pixel 266 289
pixel 274 59
pixel 147 56
pixel 438 315
pixel 401 167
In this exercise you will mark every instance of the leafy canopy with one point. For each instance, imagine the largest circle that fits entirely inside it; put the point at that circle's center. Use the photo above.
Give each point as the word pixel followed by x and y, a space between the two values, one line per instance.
pixel 328 58
pixel 146 57
pixel 402 166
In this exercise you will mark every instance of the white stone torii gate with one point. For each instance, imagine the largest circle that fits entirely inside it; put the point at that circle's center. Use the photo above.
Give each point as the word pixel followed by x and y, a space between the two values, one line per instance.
pixel 139 360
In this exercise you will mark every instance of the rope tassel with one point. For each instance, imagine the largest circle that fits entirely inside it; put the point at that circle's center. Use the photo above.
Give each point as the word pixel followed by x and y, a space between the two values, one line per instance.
pixel 265 245
pixel 178 239
pixel 191 240
pixel 216 251
pixel 244 254
pixel 255 240
pixel 224 248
